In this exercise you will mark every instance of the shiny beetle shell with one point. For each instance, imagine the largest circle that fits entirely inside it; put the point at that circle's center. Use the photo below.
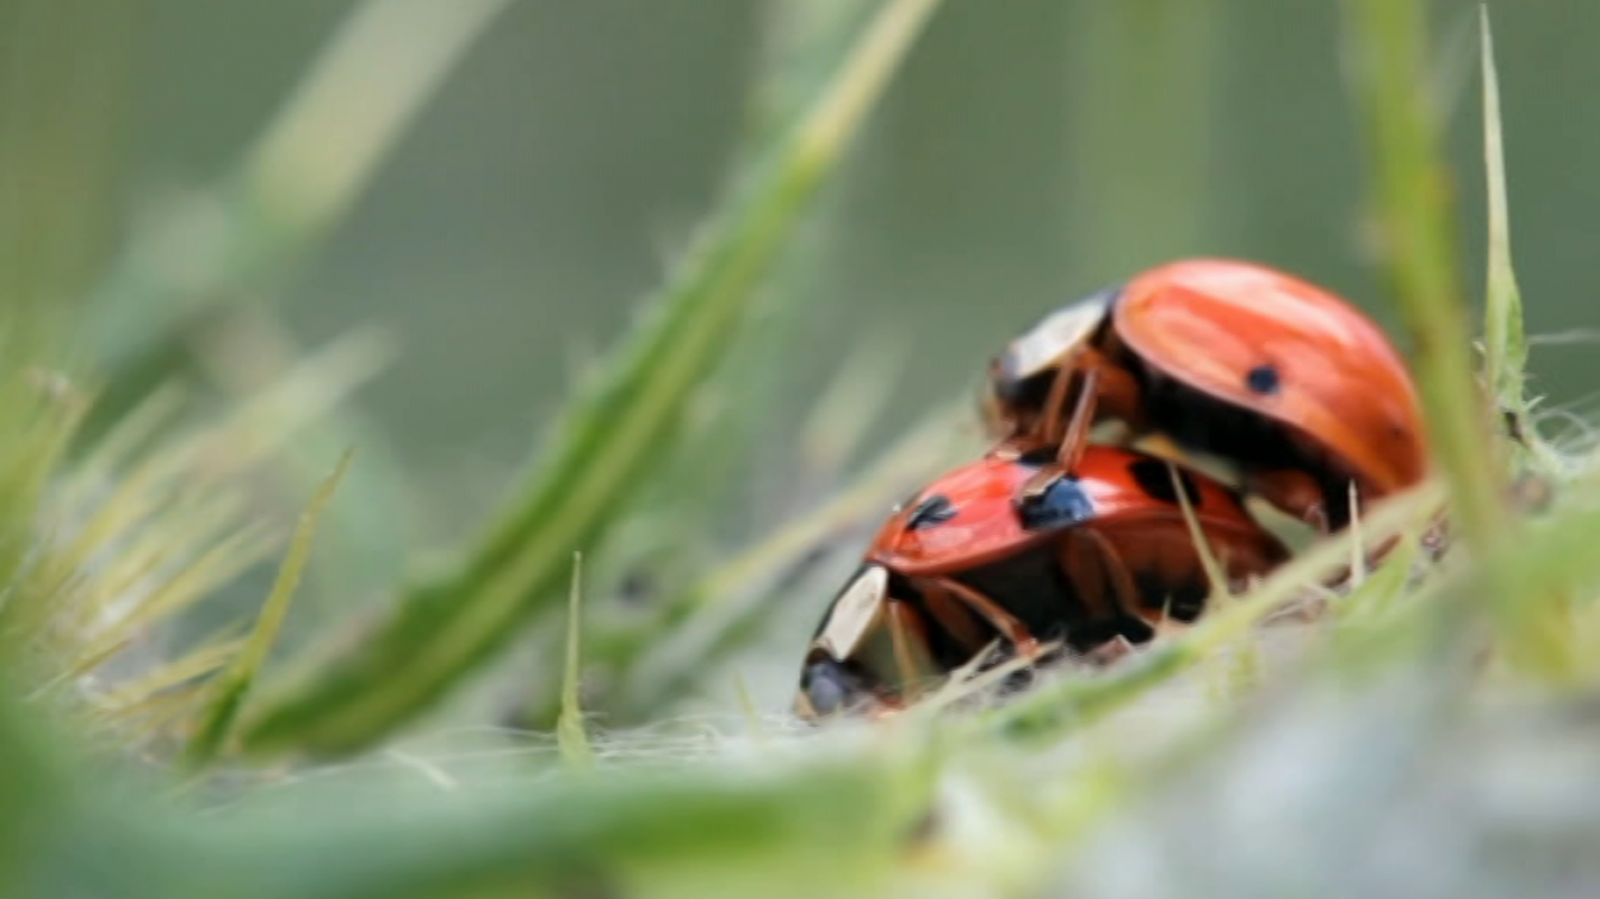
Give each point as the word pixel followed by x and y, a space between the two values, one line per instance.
pixel 1013 547
pixel 1296 387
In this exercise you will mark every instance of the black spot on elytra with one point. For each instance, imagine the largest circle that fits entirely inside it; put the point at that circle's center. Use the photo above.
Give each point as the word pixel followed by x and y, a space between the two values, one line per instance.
pixel 1155 478
pixel 931 511
pixel 1062 504
pixel 1251 440
pixel 1262 379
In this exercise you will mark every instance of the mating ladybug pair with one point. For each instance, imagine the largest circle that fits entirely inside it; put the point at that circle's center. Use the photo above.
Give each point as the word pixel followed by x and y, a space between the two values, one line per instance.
pixel 1051 537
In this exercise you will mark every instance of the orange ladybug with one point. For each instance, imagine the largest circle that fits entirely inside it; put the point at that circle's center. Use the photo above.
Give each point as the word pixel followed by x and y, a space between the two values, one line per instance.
pixel 1015 547
pixel 1293 386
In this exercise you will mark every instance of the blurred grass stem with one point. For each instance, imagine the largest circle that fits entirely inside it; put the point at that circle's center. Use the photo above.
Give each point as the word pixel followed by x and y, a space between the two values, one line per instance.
pixel 1388 51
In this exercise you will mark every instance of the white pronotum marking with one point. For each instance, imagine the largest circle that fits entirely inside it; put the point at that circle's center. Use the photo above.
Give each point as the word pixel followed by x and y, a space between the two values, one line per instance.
pixel 1054 337
pixel 857 610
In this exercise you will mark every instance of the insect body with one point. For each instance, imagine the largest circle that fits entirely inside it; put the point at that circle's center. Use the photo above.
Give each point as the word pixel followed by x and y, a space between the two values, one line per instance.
pixel 1012 546
pixel 1291 385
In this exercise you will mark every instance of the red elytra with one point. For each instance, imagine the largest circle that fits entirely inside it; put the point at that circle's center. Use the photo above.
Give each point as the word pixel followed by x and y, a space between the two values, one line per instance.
pixel 1012 546
pixel 1302 393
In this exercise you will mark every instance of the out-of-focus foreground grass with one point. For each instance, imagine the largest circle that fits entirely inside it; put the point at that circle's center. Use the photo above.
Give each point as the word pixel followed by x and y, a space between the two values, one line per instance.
pixel 187 502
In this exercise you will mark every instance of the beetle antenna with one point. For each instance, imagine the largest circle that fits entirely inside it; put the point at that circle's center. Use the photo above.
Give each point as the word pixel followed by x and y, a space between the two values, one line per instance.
pixel 1077 557
pixel 1127 592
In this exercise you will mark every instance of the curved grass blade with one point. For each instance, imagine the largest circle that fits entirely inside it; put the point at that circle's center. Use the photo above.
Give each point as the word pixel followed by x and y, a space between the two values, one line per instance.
pixel 217 720
pixel 33 439
pixel 452 622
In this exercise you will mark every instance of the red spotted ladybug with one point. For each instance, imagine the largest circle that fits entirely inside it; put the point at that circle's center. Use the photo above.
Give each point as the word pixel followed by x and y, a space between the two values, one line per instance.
pixel 1295 388
pixel 1013 546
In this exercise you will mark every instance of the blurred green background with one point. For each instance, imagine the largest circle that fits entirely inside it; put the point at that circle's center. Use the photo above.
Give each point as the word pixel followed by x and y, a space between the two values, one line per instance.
pixel 1032 151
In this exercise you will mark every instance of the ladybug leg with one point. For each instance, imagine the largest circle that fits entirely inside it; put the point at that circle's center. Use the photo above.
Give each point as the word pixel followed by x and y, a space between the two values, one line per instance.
pixel 953 617
pixel 1055 398
pixel 909 637
pixel 1107 390
pixel 1083 567
pixel 1295 492
pixel 1017 633
pixel 1122 583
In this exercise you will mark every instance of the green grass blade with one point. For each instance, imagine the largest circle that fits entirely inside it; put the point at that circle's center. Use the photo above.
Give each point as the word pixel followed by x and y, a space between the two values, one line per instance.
pixel 710 618
pixel 1505 347
pixel 216 722
pixel 178 676
pixel 802 41
pixel 694 830
pixel 571 736
pixel 33 439
pixel 1371 601
pixel 1555 572
pixel 366 537
pixel 696 627
pixel 1388 41
pixel 452 622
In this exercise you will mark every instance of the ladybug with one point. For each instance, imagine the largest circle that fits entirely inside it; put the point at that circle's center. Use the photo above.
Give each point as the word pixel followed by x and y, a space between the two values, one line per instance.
pixel 1013 546
pixel 1295 388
